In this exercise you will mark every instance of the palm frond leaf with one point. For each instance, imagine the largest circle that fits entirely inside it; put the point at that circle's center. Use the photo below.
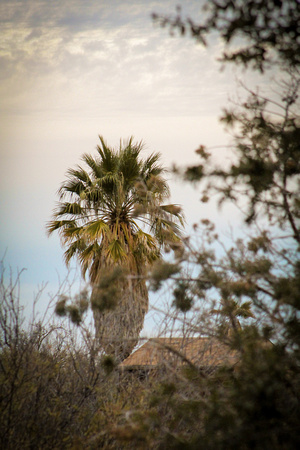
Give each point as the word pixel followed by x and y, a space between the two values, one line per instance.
pixel 72 186
pixel 108 202
pixel 151 167
pixel 54 225
pixel 93 164
pixel 76 248
pixel 96 229
pixel 116 251
pixel 109 160
pixel 88 256
pixel 67 208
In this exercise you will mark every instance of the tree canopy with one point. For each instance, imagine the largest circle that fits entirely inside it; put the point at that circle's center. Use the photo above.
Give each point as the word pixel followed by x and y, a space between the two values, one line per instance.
pixel 102 209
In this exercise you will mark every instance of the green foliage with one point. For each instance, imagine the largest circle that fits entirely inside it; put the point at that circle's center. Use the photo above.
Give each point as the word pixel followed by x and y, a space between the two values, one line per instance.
pixel 108 364
pixel 107 290
pixel 74 309
pixel 182 300
pixel 161 271
pixel 100 208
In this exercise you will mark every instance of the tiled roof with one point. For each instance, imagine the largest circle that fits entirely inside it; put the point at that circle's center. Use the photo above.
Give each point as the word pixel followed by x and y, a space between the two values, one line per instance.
pixel 202 351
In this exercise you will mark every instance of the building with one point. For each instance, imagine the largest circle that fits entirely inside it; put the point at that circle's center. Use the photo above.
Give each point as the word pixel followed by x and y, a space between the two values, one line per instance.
pixel 203 353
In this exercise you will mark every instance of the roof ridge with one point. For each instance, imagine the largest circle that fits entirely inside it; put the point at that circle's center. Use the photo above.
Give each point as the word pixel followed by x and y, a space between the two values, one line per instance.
pixel 156 350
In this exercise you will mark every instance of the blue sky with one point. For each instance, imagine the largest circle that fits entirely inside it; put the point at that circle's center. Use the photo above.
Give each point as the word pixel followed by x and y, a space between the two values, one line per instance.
pixel 71 70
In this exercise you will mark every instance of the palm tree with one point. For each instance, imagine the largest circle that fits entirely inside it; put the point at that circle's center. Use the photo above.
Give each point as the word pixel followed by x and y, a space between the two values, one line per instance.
pixel 112 218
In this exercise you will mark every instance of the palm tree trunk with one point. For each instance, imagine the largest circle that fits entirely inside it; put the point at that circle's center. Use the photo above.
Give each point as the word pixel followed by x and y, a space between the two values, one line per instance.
pixel 118 329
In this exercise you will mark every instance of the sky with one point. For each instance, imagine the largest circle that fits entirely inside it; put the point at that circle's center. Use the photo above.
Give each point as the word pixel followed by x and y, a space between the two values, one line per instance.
pixel 73 69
